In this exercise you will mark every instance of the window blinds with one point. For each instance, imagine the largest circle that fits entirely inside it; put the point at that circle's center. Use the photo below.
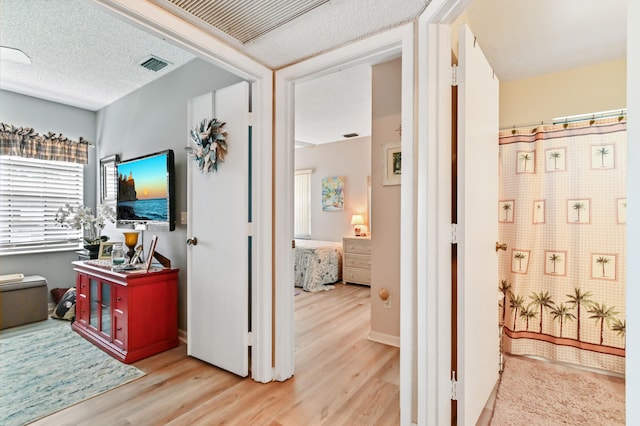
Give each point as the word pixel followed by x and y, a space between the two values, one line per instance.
pixel 31 192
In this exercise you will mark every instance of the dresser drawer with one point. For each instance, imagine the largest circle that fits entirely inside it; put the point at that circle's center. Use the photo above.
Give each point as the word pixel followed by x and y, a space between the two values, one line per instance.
pixel 358 246
pixel 357 261
pixel 357 275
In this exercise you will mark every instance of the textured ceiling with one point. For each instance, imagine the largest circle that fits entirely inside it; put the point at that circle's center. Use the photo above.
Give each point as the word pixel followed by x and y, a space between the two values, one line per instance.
pixel 242 20
pixel 323 28
pixel 84 57
pixel 331 106
pixel 81 56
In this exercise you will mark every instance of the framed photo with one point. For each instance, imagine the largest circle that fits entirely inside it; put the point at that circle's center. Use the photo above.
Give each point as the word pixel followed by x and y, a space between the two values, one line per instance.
pixel 137 256
pixel 152 249
pixel 105 250
pixel 392 157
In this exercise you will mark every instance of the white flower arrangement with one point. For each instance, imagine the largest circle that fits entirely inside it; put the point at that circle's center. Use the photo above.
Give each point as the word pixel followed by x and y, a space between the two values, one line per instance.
pixel 210 144
pixel 81 217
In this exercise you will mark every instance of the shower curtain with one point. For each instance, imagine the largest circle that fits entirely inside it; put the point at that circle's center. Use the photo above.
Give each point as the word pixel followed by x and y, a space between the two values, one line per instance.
pixel 562 214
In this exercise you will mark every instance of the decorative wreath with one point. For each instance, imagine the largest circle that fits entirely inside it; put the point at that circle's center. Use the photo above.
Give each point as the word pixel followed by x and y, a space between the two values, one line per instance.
pixel 210 144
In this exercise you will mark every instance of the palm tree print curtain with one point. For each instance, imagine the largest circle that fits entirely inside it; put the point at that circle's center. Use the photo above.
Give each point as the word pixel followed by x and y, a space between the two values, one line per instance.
pixel 562 213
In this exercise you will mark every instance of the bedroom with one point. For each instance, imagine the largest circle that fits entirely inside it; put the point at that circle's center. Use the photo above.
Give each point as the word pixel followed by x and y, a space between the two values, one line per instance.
pixel 354 101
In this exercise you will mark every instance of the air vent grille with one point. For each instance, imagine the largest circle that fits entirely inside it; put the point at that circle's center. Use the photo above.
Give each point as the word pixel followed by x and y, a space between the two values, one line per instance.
pixel 246 20
pixel 154 63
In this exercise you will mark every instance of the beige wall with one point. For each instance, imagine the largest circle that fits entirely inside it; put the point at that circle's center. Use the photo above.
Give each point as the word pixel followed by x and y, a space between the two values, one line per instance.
pixel 385 200
pixel 595 88
pixel 351 159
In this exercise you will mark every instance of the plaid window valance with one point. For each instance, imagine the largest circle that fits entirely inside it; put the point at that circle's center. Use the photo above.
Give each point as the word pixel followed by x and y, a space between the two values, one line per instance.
pixel 25 142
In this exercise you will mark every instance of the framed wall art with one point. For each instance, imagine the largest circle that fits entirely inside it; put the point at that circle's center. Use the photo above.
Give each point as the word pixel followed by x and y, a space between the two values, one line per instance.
pixel 392 157
pixel 333 193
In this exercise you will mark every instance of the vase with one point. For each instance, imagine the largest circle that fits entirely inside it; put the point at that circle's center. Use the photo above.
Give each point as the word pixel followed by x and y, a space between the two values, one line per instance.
pixel 92 250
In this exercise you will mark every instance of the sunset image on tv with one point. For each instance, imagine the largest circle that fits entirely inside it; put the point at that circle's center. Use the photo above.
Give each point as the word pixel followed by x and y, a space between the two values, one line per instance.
pixel 143 189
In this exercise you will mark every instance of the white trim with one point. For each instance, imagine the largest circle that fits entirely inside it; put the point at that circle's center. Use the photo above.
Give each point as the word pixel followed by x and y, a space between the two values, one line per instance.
pixel 384 338
pixel 156 20
pixel 283 229
pixel 408 230
pixel 378 48
pixel 182 336
pixel 433 318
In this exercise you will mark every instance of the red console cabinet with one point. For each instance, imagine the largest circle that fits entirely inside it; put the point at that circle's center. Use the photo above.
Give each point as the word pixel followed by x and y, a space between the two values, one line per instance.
pixel 129 315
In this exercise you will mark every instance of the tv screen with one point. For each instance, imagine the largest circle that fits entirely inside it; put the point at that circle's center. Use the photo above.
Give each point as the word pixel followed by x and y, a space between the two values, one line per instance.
pixel 146 196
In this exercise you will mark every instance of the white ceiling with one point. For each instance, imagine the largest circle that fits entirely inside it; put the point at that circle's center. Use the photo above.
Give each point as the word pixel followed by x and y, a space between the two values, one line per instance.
pixel 84 57
pixel 525 38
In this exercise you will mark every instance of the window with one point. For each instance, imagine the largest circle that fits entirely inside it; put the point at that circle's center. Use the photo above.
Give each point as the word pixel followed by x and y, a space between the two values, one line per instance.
pixel 302 204
pixel 108 178
pixel 31 192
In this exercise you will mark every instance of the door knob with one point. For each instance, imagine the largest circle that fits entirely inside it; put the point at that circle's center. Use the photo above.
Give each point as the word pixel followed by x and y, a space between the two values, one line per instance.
pixel 192 241
pixel 502 246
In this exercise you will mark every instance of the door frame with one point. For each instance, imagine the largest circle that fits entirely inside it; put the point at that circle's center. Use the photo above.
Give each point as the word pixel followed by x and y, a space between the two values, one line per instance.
pixel 155 20
pixel 433 291
pixel 377 48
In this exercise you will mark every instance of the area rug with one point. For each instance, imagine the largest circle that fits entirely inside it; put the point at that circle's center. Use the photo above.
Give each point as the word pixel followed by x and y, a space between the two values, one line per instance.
pixel 47 370
pixel 533 392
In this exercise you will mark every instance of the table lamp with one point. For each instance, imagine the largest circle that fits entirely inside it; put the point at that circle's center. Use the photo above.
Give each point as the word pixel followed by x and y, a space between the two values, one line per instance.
pixel 358 221
pixel 130 240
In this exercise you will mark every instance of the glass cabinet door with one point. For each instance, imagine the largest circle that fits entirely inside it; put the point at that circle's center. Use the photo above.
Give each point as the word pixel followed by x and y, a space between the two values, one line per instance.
pixel 106 308
pixel 94 303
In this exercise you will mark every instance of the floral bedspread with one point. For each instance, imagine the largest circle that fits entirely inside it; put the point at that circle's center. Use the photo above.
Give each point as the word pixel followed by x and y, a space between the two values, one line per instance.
pixel 317 263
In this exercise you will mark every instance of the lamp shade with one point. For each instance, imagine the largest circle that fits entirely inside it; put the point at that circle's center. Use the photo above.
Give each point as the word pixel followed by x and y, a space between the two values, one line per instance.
pixel 357 219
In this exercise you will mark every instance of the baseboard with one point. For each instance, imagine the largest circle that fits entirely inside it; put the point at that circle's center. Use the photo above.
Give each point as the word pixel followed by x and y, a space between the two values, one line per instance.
pixel 50 307
pixel 182 336
pixel 386 339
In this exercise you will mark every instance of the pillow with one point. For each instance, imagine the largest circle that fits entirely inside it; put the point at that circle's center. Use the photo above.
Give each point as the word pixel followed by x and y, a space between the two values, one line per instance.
pixel 66 308
pixel 57 294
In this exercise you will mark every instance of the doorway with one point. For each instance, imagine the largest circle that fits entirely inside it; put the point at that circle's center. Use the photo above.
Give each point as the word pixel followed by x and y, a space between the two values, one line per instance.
pixel 377 49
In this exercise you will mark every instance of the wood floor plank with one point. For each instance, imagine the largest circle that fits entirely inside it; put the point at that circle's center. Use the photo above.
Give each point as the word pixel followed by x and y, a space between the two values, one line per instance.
pixel 341 377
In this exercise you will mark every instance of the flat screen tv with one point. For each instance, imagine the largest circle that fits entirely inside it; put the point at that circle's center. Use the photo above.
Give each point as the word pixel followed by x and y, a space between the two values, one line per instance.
pixel 146 192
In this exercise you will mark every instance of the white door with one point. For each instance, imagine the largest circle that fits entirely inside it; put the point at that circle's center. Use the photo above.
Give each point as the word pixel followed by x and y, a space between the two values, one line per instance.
pixel 478 351
pixel 218 265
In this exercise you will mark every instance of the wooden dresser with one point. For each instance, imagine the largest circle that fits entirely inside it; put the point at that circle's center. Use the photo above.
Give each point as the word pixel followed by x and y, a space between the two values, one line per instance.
pixel 356 263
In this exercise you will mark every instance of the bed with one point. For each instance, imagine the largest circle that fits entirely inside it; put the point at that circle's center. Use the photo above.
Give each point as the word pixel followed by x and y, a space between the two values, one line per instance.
pixel 317 264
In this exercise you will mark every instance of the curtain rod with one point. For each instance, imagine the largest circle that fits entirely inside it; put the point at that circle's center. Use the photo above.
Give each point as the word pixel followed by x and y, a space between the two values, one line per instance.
pixel 572 119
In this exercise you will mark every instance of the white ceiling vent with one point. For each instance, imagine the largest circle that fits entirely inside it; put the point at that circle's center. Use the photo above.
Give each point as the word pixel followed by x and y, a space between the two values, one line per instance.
pixel 246 20
pixel 153 63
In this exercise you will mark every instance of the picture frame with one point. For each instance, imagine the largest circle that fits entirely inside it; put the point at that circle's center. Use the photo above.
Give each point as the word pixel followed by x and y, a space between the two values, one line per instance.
pixel 333 193
pixel 137 256
pixel 104 252
pixel 392 164
pixel 152 249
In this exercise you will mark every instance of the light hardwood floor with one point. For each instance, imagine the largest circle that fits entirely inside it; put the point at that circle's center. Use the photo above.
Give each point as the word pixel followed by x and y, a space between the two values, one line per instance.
pixel 341 378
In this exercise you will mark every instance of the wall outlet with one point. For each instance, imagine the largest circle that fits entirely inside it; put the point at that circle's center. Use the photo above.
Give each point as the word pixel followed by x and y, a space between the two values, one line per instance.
pixel 387 303
pixel 183 218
